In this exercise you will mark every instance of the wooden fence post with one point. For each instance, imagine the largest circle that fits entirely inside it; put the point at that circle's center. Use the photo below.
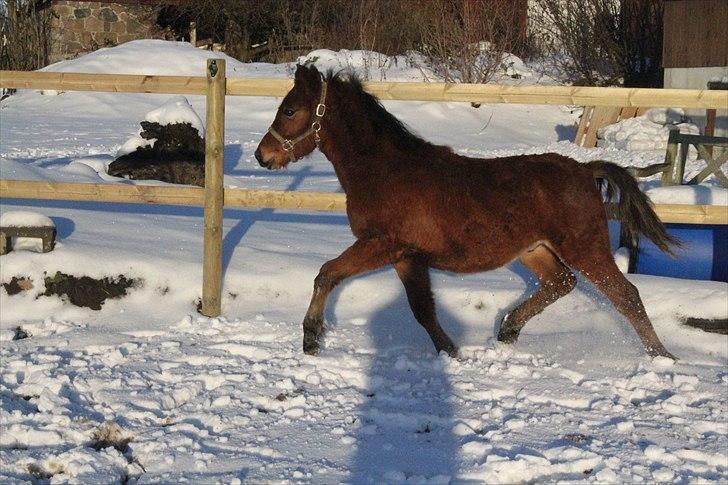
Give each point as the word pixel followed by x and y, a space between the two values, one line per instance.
pixel 214 147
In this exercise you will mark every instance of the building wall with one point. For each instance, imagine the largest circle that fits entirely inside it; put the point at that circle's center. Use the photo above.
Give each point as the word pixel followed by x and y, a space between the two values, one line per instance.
pixel 695 49
pixel 695 33
pixel 84 26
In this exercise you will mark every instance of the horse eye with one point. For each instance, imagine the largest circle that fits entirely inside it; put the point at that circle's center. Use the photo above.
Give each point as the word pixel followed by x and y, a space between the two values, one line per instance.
pixel 289 112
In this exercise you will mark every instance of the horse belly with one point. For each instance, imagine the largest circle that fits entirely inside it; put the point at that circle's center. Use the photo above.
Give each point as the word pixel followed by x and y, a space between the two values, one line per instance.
pixel 475 256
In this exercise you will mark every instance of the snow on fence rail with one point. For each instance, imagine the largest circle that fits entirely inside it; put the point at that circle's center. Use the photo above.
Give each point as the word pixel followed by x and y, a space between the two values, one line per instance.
pixel 216 86
pixel 403 91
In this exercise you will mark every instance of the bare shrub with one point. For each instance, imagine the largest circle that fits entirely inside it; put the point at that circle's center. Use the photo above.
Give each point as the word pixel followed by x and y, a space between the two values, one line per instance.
pixel 602 42
pixel 24 35
pixel 466 40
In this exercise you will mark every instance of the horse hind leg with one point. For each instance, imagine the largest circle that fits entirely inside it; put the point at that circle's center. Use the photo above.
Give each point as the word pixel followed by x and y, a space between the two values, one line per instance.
pixel 555 280
pixel 601 270
pixel 415 276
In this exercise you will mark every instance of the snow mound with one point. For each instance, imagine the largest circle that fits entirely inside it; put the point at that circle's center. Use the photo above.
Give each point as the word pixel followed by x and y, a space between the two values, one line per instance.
pixel 25 219
pixel 647 132
pixel 148 57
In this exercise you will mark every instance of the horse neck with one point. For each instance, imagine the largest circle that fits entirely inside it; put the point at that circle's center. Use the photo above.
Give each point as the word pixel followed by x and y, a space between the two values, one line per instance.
pixel 349 144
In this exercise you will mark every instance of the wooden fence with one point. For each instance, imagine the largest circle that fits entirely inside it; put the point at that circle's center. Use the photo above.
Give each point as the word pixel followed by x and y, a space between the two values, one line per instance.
pixel 216 86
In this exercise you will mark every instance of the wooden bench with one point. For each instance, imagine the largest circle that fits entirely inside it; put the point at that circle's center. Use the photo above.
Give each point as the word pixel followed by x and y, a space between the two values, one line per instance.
pixel 677 154
pixel 46 233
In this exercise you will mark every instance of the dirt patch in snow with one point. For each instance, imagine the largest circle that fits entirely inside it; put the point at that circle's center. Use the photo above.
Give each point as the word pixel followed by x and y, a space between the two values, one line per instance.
pixel 88 292
pixel 18 284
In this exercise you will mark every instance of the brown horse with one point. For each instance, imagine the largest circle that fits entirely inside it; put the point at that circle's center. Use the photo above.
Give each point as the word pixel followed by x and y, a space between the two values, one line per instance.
pixel 415 205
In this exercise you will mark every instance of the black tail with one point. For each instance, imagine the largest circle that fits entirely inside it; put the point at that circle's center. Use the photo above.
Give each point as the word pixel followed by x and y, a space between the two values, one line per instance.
pixel 634 209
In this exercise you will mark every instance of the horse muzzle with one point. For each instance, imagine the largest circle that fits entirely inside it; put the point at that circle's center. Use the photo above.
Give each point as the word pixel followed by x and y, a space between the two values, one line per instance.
pixel 261 161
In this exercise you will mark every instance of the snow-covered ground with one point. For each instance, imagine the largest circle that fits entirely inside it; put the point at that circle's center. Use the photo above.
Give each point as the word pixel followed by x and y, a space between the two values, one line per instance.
pixel 233 399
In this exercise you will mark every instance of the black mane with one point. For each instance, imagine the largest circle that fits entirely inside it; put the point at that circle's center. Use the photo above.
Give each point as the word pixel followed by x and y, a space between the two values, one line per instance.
pixel 384 123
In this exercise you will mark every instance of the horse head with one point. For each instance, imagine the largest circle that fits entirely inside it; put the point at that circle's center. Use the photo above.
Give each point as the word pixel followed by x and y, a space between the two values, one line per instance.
pixel 294 132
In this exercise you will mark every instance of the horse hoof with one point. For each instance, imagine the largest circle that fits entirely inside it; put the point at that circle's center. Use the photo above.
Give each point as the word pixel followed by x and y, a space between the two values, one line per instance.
pixel 662 352
pixel 310 348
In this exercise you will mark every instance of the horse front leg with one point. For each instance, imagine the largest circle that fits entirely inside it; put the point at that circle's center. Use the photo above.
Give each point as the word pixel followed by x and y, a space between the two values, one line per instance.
pixel 364 255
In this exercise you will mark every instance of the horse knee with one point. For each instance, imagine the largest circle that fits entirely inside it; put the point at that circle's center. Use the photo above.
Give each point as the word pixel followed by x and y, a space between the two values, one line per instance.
pixel 323 280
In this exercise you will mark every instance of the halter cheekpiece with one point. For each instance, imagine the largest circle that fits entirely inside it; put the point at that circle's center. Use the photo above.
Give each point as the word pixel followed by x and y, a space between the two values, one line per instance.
pixel 288 144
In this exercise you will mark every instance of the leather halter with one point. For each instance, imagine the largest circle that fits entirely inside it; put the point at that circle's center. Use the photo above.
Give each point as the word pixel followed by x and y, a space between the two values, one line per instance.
pixel 288 144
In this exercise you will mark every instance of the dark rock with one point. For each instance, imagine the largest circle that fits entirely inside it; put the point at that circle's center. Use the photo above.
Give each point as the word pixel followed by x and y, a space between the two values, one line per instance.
pixel 81 13
pixel 177 157
pixel 107 15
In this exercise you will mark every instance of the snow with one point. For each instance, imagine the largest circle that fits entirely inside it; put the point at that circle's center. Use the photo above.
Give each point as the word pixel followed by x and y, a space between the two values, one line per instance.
pixel 647 132
pixel 24 219
pixel 176 110
pixel 689 194
pixel 181 397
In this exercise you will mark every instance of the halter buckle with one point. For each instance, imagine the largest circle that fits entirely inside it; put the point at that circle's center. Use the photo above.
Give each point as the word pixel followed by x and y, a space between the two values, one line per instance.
pixel 287 145
pixel 320 110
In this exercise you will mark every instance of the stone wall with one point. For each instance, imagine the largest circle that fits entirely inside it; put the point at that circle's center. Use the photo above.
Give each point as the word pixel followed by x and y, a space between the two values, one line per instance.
pixel 78 27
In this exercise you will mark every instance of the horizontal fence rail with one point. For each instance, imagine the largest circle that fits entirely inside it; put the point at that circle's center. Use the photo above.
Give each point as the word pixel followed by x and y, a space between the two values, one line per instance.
pixel 272 199
pixel 170 195
pixel 404 91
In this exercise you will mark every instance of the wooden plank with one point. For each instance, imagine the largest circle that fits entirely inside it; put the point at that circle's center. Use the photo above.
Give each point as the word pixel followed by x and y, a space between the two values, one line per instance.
pixel 274 199
pixel 672 174
pixel 258 87
pixel 719 141
pixel 628 112
pixel 170 195
pixel 322 201
pixel 123 193
pixel 115 83
pixel 583 125
pixel 214 147
pixel 602 116
pixel 692 214
pixel 404 91
pixel 564 95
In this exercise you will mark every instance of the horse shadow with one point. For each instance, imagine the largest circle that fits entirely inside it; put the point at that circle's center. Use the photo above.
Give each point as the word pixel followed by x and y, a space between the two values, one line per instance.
pixel 406 418
pixel 231 156
pixel 565 132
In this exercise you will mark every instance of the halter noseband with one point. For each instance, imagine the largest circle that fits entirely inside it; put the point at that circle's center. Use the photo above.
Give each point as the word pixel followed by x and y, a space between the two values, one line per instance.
pixel 288 144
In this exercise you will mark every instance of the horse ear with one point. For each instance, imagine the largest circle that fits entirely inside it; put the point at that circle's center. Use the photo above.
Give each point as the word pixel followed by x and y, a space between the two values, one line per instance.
pixel 308 76
pixel 300 73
